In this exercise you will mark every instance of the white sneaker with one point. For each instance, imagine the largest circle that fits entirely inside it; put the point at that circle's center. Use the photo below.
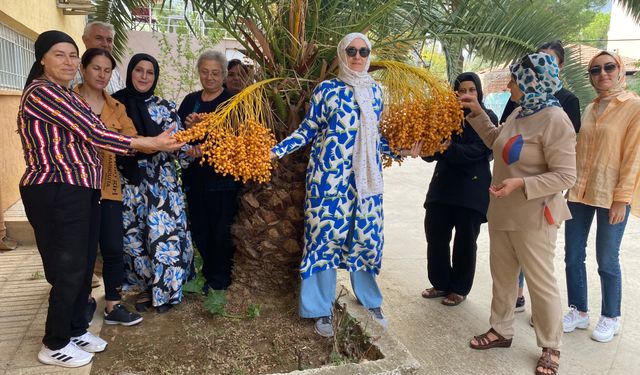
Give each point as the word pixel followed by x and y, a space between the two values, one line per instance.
pixel 377 315
pixel 573 320
pixel 69 356
pixel 324 326
pixel 90 343
pixel 606 329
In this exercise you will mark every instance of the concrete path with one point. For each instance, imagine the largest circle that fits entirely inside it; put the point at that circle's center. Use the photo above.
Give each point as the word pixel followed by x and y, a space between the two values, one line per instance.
pixel 23 309
pixel 435 334
pixel 438 336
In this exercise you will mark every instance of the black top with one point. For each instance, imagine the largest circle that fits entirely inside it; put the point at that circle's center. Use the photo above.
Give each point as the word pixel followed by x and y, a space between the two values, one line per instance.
pixel 568 101
pixel 203 176
pixel 462 175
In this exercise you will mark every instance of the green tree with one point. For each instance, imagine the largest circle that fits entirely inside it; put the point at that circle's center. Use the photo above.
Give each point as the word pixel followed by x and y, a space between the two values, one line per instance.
pixel 595 33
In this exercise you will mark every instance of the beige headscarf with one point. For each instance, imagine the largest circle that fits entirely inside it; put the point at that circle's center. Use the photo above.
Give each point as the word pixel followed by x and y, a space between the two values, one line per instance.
pixel 365 151
pixel 619 88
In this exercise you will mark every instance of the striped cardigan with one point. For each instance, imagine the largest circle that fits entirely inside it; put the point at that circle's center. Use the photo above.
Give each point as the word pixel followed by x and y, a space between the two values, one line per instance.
pixel 60 134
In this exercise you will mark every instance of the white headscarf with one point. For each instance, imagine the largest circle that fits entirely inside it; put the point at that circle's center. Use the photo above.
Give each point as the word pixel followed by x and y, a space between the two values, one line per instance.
pixel 365 150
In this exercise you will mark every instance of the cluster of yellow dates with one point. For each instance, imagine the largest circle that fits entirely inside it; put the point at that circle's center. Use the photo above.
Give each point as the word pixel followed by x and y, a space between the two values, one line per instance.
pixel 243 152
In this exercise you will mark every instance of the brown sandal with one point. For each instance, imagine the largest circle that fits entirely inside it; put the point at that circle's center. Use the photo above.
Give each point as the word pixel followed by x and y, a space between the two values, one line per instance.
pixel 484 342
pixel 453 299
pixel 547 363
pixel 433 293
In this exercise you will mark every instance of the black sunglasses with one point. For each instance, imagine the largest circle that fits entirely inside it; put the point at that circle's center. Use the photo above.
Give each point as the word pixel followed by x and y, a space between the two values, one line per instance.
pixel 353 51
pixel 608 68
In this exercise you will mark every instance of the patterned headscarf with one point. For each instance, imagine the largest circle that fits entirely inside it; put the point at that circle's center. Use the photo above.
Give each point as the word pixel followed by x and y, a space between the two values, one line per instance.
pixel 365 151
pixel 621 80
pixel 537 76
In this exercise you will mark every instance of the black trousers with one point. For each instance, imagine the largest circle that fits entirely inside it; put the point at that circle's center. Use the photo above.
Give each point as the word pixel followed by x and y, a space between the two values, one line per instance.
pixel 211 214
pixel 111 248
pixel 65 219
pixel 451 273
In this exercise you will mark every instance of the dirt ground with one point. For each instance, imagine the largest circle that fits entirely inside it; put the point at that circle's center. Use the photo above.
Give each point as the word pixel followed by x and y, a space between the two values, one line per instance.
pixel 190 340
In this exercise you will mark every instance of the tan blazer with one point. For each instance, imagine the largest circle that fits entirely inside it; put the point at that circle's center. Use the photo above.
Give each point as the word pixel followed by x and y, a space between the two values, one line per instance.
pixel 539 148
pixel 114 116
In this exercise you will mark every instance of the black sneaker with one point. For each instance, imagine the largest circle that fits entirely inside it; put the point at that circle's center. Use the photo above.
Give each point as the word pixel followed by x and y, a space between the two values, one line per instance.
pixel 90 310
pixel 520 304
pixel 120 315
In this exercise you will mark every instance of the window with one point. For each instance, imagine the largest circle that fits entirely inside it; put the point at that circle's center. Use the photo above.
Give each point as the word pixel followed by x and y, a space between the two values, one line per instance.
pixel 16 58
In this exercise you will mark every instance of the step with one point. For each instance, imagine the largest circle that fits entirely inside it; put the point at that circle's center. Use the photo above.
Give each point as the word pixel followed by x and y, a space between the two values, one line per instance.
pixel 18 226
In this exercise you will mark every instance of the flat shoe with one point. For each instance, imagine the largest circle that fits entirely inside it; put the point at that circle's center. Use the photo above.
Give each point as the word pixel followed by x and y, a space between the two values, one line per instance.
pixel 433 293
pixel 164 308
pixel 453 299
pixel 143 302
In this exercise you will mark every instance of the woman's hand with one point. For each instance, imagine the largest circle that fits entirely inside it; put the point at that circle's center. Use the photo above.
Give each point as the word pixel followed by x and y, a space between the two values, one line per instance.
pixel 273 156
pixel 471 102
pixel 195 151
pixel 506 187
pixel 162 142
pixel 414 152
pixel 192 119
pixel 617 212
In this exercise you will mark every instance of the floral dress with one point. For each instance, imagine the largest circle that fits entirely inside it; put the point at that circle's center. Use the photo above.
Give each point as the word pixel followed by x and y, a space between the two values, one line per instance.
pixel 341 230
pixel 158 252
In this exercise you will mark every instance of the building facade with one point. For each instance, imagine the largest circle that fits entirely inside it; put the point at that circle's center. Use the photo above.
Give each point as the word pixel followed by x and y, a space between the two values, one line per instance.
pixel 21 21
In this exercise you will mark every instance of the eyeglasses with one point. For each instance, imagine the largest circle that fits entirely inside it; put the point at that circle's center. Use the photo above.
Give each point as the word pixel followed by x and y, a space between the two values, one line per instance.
pixel 608 68
pixel 353 51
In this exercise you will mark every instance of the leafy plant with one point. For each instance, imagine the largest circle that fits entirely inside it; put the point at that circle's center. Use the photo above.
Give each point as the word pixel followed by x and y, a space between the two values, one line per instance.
pixel 215 303
pixel 178 56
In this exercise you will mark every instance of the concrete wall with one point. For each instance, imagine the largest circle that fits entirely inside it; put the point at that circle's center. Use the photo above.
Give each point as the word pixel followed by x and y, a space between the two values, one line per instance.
pixel 29 17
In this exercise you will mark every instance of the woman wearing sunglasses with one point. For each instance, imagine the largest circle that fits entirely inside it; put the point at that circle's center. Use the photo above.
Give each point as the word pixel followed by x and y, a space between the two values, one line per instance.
pixel 534 162
pixel 608 161
pixel 343 220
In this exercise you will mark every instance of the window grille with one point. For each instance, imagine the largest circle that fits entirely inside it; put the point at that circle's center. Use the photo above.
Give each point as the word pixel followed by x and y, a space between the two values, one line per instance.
pixel 16 58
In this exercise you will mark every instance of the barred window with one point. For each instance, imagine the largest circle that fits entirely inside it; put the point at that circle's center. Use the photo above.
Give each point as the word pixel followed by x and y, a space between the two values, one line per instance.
pixel 16 58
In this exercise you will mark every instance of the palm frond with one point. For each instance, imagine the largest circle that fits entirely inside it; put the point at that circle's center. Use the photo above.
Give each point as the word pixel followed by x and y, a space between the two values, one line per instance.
pixel 118 13
pixel 632 7
pixel 574 76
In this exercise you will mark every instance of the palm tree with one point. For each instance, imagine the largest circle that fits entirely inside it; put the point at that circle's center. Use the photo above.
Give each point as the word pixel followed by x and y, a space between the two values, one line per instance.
pixel 295 40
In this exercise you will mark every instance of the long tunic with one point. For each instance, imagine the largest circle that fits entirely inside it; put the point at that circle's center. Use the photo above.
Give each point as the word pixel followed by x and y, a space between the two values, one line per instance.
pixel 158 251
pixel 340 230
pixel 540 149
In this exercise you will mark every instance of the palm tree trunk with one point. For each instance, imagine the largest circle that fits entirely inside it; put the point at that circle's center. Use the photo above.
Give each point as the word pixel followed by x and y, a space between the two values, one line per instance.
pixel 268 231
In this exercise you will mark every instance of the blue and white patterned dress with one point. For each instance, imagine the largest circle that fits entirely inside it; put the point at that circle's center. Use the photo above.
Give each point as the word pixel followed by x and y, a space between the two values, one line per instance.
pixel 341 231
pixel 158 253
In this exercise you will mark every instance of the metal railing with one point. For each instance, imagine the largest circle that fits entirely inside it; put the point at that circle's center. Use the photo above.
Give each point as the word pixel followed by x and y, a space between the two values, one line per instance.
pixel 16 58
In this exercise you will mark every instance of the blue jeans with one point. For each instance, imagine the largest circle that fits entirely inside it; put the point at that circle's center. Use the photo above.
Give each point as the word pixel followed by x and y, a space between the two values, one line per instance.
pixel 608 239
pixel 318 292
pixel 521 280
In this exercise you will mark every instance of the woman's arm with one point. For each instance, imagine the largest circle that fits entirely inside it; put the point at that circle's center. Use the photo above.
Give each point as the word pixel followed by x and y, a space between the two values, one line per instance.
pixel 480 121
pixel 307 129
pixel 630 163
pixel 50 104
pixel 559 147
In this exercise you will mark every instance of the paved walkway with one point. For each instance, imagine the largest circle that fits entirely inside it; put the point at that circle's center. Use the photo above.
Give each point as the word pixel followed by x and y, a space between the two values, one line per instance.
pixel 438 335
pixel 23 309
pixel 435 334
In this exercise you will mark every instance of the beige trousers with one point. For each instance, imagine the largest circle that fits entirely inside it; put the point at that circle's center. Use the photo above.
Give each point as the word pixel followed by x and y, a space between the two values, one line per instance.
pixel 533 252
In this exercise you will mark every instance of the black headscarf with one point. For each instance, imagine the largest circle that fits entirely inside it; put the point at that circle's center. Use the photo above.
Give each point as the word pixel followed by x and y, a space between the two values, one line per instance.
pixel 472 77
pixel 43 44
pixel 134 101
